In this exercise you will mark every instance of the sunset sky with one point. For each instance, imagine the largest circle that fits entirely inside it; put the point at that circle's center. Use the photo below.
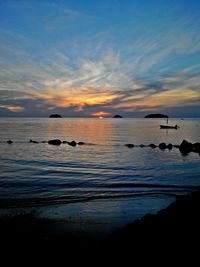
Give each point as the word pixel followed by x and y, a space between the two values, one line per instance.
pixel 85 58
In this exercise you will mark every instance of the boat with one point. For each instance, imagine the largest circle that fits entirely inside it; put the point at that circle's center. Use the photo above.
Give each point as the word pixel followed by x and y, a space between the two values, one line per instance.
pixel 169 126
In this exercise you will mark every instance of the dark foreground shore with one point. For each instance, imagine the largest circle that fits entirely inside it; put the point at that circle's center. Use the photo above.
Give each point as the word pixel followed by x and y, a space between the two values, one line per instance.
pixel 177 226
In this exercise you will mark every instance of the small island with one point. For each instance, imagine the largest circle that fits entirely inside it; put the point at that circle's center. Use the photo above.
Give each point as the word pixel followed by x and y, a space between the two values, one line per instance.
pixel 55 116
pixel 157 115
pixel 117 116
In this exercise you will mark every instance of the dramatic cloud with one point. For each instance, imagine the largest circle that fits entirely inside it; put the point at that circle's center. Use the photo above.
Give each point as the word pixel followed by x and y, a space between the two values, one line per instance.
pixel 76 97
pixel 95 84
pixel 81 61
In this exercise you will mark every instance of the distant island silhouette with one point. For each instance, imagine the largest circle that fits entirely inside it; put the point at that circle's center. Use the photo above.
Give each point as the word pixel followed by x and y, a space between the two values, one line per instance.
pixel 55 116
pixel 157 115
pixel 117 116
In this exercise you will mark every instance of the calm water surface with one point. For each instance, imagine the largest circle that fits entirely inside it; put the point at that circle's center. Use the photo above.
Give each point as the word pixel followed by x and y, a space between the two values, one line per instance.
pixel 99 185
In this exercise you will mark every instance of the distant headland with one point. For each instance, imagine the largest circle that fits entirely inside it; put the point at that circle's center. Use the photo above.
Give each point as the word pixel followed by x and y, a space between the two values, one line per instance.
pixel 157 115
pixel 117 116
pixel 55 116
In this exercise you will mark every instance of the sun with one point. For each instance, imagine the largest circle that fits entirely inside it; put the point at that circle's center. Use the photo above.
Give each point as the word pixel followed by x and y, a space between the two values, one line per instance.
pixel 100 114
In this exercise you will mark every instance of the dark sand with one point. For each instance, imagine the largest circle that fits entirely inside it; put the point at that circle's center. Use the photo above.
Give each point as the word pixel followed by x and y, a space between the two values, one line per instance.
pixel 178 223
pixel 176 227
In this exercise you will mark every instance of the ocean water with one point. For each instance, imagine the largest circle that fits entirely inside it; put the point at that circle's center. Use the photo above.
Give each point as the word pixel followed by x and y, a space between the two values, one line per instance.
pixel 101 185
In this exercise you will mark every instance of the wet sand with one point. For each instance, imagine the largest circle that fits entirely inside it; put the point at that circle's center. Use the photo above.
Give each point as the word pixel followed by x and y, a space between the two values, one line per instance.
pixel 178 225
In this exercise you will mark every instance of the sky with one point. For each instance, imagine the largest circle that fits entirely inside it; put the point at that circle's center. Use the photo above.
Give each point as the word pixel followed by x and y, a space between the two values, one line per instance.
pixel 91 58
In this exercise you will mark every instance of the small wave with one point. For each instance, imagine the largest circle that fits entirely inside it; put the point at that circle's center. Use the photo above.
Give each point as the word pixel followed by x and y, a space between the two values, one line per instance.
pixel 59 200
pixel 146 185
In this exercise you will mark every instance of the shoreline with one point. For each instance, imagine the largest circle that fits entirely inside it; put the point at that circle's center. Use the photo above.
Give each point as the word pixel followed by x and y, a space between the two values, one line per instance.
pixel 180 218
pixel 177 224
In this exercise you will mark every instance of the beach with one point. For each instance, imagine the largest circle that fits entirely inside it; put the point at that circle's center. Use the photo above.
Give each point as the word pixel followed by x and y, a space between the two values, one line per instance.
pixel 178 225
pixel 179 221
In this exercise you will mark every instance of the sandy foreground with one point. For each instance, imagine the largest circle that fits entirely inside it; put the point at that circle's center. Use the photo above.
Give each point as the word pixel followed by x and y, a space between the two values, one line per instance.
pixel 177 226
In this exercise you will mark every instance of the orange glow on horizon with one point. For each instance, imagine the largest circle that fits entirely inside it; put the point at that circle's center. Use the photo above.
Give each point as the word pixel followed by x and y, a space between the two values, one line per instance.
pixel 77 97
pixel 100 114
pixel 91 95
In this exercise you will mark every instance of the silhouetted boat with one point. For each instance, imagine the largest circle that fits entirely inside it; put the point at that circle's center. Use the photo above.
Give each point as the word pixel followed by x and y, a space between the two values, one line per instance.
pixel 169 126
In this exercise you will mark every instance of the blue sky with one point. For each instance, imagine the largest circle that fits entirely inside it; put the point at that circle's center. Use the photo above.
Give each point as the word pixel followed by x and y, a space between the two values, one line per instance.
pixel 99 58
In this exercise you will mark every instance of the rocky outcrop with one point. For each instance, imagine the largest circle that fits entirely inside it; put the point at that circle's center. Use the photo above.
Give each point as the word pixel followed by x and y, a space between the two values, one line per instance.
pixel 55 142
pixel 196 147
pixel 81 143
pixel 117 116
pixel 55 116
pixel 187 147
pixel 72 143
pixel 170 146
pixel 130 145
pixel 162 146
pixel 152 146
pixel 157 115
pixel 33 141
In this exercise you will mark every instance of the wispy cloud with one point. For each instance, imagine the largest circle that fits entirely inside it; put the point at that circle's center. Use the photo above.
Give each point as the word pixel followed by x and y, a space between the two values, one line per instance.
pixel 76 97
pixel 12 108
pixel 61 20
pixel 156 70
pixel 104 85
pixel 164 49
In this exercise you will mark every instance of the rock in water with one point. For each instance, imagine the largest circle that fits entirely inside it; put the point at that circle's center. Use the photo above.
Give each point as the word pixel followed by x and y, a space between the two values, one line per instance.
pixel 55 142
pixel 162 146
pixel 72 143
pixel 185 147
pixel 130 145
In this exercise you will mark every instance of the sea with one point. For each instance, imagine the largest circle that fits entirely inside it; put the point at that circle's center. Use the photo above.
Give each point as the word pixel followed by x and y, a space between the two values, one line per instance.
pixel 101 185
